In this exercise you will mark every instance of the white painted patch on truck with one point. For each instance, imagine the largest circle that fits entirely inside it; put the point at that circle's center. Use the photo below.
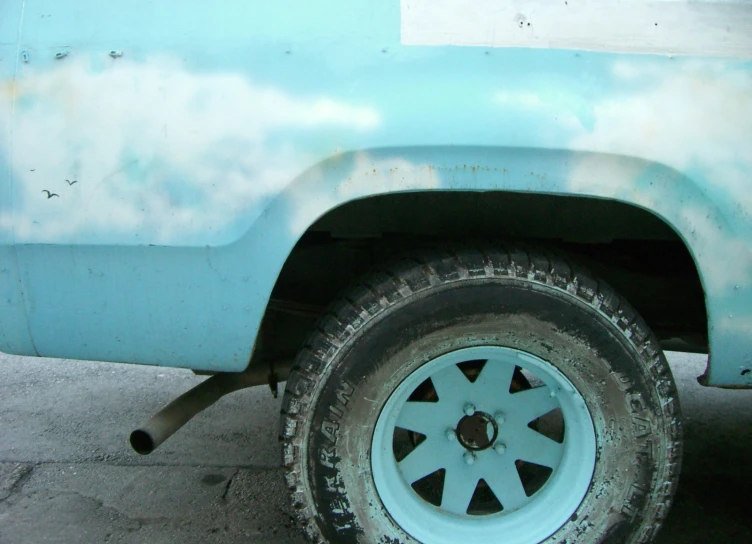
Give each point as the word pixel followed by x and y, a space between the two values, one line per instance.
pixel 160 154
pixel 719 28
pixel 679 118
pixel 367 177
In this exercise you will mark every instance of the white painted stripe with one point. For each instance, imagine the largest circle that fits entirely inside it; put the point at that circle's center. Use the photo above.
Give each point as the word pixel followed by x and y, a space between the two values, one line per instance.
pixel 681 27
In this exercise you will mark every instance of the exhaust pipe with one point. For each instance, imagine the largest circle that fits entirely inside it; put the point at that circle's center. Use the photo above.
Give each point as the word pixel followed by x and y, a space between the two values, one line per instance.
pixel 180 411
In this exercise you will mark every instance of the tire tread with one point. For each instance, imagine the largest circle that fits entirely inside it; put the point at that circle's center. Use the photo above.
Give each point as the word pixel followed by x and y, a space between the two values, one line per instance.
pixel 400 280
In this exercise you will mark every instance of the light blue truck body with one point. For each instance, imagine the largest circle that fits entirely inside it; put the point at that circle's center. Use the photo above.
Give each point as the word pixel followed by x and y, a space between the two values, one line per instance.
pixel 204 138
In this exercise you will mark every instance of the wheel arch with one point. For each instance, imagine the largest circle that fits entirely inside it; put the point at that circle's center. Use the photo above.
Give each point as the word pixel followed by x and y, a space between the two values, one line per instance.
pixel 344 194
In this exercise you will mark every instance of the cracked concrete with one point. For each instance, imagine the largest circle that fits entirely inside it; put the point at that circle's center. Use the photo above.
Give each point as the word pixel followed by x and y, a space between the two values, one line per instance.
pixel 12 478
pixel 227 484
pixel 67 474
pixel 88 502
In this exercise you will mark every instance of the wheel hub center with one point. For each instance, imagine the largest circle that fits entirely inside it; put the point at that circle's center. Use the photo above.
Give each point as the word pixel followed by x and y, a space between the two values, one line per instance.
pixel 477 432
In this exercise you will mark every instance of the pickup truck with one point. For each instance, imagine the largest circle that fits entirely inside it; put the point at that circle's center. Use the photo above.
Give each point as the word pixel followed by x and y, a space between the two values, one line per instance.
pixel 462 231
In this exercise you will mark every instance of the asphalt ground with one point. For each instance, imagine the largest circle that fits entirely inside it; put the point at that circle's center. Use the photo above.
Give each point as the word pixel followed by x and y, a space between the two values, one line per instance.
pixel 67 474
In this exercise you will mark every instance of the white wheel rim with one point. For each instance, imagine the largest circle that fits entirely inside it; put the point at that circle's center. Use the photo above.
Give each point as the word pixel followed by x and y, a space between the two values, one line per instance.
pixel 463 405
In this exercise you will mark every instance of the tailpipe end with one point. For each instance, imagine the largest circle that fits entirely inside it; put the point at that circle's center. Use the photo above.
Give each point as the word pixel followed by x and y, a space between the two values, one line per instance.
pixel 142 442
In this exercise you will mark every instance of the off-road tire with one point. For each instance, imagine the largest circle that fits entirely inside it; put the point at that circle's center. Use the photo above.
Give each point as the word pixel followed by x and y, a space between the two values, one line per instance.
pixel 623 374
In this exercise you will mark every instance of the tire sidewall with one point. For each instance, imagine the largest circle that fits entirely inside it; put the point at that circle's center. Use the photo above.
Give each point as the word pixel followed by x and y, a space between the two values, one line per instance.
pixel 583 344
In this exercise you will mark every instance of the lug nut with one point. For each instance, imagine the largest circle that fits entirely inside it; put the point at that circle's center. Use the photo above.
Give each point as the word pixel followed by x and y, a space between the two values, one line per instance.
pixel 499 417
pixel 469 409
pixel 451 435
pixel 469 458
pixel 500 448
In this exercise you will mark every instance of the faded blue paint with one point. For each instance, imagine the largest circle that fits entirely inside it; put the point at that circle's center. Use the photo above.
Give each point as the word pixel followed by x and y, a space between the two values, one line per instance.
pixel 225 129
pixel 15 336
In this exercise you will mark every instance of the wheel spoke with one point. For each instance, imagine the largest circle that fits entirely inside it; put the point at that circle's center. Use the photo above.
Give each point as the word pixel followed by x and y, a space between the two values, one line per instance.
pixel 459 488
pixel 426 418
pixel 533 403
pixel 536 448
pixel 450 384
pixel 422 461
pixel 505 483
pixel 493 382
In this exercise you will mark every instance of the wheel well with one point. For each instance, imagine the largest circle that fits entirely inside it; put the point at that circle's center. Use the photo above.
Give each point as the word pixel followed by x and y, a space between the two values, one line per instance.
pixel 630 248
